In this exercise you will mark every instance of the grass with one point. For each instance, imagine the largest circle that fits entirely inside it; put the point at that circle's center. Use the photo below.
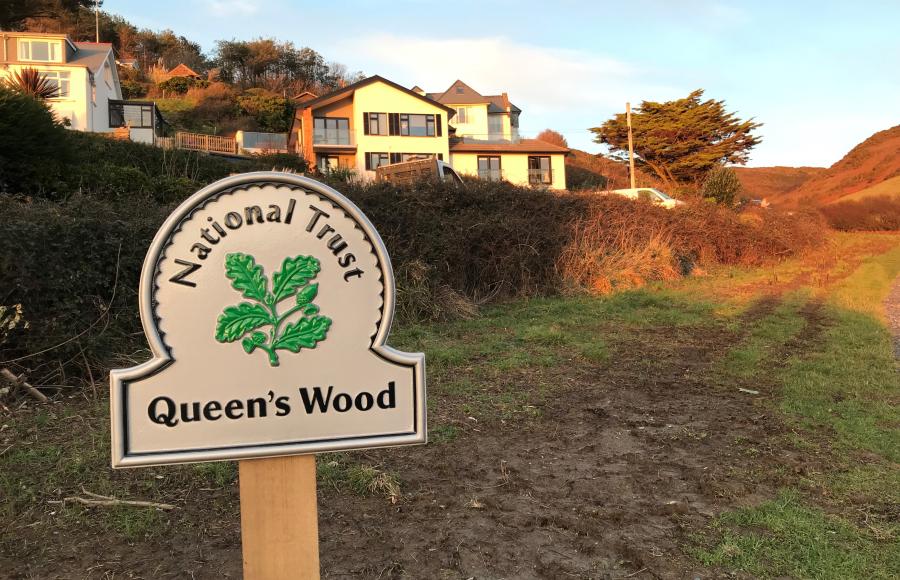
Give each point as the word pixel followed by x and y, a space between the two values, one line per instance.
pixel 785 538
pixel 337 471
pixel 840 392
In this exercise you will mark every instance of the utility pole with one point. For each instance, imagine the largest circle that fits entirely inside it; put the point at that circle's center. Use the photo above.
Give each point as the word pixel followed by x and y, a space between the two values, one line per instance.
pixel 97 19
pixel 630 145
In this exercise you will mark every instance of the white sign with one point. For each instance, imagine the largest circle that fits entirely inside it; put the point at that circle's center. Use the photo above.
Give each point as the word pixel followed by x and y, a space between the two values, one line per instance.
pixel 267 299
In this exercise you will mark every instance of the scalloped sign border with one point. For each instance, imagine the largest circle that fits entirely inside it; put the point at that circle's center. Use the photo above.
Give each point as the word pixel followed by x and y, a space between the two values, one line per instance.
pixel 120 379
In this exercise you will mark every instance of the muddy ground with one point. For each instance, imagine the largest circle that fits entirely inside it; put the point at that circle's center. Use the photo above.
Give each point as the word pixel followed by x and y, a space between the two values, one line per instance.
pixel 607 476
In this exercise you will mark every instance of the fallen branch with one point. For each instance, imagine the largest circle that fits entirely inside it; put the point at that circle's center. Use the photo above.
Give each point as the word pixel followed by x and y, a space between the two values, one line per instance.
pixel 18 382
pixel 104 500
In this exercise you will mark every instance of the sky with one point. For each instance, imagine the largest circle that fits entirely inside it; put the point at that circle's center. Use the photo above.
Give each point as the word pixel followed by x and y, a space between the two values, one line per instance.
pixel 820 75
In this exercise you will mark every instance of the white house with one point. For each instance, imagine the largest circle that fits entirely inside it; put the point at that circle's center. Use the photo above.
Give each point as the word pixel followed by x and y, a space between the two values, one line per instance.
pixel 84 72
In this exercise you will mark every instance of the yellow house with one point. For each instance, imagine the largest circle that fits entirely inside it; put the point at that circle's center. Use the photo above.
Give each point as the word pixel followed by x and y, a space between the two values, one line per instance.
pixel 485 141
pixel 378 122
pixel 369 123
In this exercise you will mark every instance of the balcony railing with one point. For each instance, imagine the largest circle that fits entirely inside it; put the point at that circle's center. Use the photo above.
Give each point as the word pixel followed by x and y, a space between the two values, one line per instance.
pixel 540 176
pixel 334 137
pixel 490 174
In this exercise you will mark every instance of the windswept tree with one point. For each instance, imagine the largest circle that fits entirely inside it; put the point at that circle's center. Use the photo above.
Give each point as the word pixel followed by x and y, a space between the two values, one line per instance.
pixel 14 13
pixel 552 137
pixel 681 140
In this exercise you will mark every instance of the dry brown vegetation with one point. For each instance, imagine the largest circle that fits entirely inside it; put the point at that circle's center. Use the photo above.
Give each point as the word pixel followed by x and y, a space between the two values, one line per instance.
pixel 867 214
pixel 773 182
pixel 618 243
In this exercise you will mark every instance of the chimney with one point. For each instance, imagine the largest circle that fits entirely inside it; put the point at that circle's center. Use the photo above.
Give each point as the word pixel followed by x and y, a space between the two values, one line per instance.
pixel 505 101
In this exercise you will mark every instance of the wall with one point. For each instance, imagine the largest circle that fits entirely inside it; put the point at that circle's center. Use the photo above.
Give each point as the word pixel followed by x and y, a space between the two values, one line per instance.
pixel 381 98
pixel 75 106
pixel 513 167
pixel 476 124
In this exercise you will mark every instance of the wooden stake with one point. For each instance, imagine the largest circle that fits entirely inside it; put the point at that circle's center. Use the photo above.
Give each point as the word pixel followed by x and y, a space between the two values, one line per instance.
pixel 630 145
pixel 279 519
pixel 19 382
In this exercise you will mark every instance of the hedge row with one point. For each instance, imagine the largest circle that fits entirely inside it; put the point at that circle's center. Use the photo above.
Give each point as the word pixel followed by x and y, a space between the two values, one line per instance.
pixel 74 265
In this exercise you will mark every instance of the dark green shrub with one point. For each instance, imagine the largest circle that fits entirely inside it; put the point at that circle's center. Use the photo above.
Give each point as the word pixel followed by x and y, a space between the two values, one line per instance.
pixel 33 143
pixel 133 89
pixel 180 85
pixel 270 111
pixel 722 186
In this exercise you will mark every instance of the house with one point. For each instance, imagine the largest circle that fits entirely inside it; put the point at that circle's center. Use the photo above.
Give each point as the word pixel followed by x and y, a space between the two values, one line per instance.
pixel 183 70
pixel 369 123
pixel 84 72
pixel 378 122
pixel 90 96
pixel 485 141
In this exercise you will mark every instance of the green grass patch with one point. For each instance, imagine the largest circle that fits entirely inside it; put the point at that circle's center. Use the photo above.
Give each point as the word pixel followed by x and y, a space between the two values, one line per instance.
pixel 753 355
pixel 338 471
pixel 785 538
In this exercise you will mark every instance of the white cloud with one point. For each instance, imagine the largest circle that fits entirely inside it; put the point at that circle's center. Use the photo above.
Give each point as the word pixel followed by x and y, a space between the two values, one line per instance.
pixel 568 90
pixel 232 7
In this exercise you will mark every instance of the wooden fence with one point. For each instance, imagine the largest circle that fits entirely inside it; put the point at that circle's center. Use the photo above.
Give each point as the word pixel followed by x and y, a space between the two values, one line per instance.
pixel 208 143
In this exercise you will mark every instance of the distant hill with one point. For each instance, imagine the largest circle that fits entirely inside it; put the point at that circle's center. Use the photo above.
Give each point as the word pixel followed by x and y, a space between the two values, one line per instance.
pixel 889 188
pixel 872 162
pixel 587 170
pixel 774 182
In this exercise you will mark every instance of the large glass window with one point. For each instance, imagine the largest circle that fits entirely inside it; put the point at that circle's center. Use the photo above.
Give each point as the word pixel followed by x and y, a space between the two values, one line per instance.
pixel 378 123
pixel 60 80
pixel 374 160
pixel 417 125
pixel 331 131
pixel 40 50
pixel 539 171
pixel 328 163
pixel 489 168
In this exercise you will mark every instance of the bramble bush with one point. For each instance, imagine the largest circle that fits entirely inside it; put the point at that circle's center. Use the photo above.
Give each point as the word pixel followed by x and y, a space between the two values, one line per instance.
pixel 881 213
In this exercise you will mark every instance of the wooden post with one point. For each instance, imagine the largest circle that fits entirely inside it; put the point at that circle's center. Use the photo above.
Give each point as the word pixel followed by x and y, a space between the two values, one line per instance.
pixel 630 145
pixel 279 520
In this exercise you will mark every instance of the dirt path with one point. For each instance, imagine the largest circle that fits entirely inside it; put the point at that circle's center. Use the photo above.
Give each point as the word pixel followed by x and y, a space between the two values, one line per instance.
pixel 892 311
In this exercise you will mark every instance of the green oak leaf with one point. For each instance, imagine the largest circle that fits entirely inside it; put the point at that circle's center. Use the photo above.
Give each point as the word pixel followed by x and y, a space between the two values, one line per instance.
pixel 254 340
pixel 236 321
pixel 246 276
pixel 304 333
pixel 307 294
pixel 310 309
pixel 295 272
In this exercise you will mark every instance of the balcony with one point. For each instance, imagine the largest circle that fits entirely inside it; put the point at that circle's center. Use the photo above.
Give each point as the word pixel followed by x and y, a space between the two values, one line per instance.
pixel 334 139
pixel 491 174
pixel 540 177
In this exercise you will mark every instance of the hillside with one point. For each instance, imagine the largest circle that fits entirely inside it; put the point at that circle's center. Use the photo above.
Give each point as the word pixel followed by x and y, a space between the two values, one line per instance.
pixel 889 188
pixel 875 160
pixel 585 170
pixel 774 182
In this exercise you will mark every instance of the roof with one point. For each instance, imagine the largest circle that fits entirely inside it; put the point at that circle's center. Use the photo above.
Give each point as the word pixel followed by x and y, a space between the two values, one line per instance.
pixel 523 146
pixel 183 70
pixel 460 93
pixel 91 55
pixel 349 89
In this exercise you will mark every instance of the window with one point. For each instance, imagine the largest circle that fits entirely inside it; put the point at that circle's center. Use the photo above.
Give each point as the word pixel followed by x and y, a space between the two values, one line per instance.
pixel 417 125
pixel 489 168
pixel 134 116
pixel 328 163
pixel 375 123
pixel 495 127
pixel 462 114
pixel 539 172
pixel 460 90
pixel 331 131
pixel 60 80
pixel 40 50
pixel 374 160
